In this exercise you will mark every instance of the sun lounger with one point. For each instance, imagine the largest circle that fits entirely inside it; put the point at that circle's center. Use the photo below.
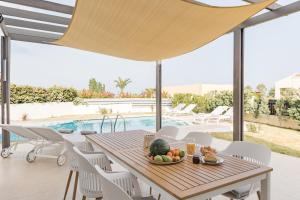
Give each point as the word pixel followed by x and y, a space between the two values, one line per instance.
pixel 51 138
pixel 228 115
pixel 187 110
pixel 202 117
pixel 26 135
pixel 176 109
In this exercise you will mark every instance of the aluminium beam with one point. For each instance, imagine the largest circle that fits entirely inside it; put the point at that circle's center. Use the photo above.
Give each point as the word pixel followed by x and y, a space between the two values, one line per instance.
pixel 29 38
pixel 3 26
pixel 158 96
pixel 38 34
pixel 238 86
pixel 5 89
pixel 271 7
pixel 34 25
pixel 277 13
pixel 46 5
pixel 15 12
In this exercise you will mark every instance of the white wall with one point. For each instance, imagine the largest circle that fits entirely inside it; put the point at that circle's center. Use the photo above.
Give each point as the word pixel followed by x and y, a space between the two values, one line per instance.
pixel 48 110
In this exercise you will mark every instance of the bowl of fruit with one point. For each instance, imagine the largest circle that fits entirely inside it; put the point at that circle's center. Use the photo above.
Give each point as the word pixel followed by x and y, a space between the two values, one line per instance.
pixel 161 153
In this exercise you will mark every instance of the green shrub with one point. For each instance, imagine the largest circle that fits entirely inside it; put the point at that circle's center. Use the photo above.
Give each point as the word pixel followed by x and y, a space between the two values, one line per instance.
pixel 215 99
pixel 29 94
pixel 294 110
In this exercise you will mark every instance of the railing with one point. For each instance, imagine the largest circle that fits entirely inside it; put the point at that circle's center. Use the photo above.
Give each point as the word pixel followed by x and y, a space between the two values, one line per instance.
pixel 102 123
pixel 116 120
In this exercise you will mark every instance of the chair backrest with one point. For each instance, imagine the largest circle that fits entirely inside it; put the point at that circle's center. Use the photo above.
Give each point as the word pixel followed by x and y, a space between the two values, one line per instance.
pixel 179 107
pixel 21 131
pixel 219 110
pixel 78 141
pixel 169 131
pixel 189 108
pixel 256 153
pixel 47 133
pixel 201 138
pixel 110 190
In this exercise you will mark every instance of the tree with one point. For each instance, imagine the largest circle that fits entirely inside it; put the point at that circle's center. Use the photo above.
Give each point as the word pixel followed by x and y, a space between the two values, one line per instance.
pixel 149 93
pixel 122 84
pixel 272 92
pixel 95 86
pixel 262 89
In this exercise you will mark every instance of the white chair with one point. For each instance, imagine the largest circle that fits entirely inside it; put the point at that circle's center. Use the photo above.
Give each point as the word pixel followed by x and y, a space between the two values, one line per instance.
pixel 26 135
pixel 80 142
pixel 168 131
pixel 90 180
pixel 201 117
pixel 201 138
pixel 113 187
pixel 255 153
pixel 51 138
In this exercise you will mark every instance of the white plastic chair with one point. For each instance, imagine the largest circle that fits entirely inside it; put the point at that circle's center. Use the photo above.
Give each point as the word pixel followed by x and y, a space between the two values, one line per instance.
pixel 26 135
pixel 201 138
pixel 114 187
pixel 168 131
pixel 51 138
pixel 255 153
pixel 80 142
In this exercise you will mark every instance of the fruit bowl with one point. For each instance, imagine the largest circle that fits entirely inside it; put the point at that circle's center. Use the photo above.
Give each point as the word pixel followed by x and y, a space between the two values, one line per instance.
pixel 163 162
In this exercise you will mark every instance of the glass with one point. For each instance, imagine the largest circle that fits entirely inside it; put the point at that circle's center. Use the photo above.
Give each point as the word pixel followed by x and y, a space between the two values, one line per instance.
pixel 190 149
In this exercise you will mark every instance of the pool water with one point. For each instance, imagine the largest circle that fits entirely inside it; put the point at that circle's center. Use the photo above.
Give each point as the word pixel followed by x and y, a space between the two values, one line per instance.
pixel 132 123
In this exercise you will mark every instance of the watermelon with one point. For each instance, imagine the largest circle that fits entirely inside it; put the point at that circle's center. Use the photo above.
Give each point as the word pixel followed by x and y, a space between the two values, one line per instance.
pixel 159 147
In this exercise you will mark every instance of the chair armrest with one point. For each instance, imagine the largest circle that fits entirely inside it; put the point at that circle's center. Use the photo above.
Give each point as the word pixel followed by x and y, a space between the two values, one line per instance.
pixel 99 159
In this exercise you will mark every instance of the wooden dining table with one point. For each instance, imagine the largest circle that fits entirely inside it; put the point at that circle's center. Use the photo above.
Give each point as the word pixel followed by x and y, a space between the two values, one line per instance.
pixel 183 180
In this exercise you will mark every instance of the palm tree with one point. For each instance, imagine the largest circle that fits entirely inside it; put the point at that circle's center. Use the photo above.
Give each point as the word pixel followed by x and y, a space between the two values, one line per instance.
pixel 122 83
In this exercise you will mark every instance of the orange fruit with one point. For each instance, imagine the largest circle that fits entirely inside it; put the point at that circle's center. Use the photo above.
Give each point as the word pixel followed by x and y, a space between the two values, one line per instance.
pixel 170 154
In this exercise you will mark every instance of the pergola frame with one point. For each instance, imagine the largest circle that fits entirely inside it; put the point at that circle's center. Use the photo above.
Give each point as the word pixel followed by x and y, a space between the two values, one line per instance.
pixel 37 27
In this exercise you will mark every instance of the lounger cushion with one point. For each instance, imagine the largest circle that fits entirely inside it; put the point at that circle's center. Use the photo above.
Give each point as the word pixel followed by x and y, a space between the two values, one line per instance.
pixel 88 132
pixel 143 198
pixel 240 192
pixel 66 131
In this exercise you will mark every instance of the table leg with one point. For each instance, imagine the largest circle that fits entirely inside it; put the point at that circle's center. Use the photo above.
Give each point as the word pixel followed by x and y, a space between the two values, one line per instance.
pixel 266 188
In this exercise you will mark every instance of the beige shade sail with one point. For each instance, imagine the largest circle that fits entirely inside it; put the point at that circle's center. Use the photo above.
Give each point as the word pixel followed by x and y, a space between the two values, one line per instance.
pixel 150 30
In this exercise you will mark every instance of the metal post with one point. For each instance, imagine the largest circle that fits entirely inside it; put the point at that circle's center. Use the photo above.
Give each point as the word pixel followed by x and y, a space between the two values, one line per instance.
pixel 158 96
pixel 5 94
pixel 238 86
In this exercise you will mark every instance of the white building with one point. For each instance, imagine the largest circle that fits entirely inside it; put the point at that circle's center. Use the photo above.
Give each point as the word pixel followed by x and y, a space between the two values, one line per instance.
pixel 198 89
pixel 290 82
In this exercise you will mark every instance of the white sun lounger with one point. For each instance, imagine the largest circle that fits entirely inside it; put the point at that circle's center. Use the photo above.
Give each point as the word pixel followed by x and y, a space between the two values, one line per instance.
pixel 187 110
pixel 51 138
pixel 202 117
pixel 27 137
pixel 178 108
pixel 228 115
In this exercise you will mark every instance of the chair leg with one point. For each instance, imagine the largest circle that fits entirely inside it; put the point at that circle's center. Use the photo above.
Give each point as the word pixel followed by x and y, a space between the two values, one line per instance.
pixel 68 184
pixel 150 190
pixel 75 186
pixel 83 197
pixel 159 195
pixel 99 198
pixel 258 194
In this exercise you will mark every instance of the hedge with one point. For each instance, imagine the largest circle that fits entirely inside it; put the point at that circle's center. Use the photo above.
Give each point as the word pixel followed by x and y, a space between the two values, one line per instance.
pixel 29 94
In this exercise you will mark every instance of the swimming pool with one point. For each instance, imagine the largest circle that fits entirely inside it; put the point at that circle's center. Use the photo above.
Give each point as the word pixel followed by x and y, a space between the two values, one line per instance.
pixel 132 123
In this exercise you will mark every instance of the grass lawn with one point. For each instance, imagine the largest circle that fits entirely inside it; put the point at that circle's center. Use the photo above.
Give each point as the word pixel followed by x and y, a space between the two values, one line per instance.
pixel 274 147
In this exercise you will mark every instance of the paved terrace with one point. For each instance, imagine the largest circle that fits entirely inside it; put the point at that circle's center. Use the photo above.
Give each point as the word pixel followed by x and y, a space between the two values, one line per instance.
pixel 45 180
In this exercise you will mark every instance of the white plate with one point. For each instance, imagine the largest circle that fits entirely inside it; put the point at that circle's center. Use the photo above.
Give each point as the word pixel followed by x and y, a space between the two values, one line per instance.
pixel 219 161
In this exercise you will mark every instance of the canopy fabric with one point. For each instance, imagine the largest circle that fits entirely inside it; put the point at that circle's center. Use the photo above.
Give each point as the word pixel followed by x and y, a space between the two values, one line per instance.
pixel 150 30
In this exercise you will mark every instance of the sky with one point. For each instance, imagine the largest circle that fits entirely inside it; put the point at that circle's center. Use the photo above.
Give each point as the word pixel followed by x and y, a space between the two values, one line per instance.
pixel 271 53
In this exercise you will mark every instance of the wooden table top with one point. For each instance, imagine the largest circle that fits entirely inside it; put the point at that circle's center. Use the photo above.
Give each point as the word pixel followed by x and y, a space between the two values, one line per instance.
pixel 182 180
